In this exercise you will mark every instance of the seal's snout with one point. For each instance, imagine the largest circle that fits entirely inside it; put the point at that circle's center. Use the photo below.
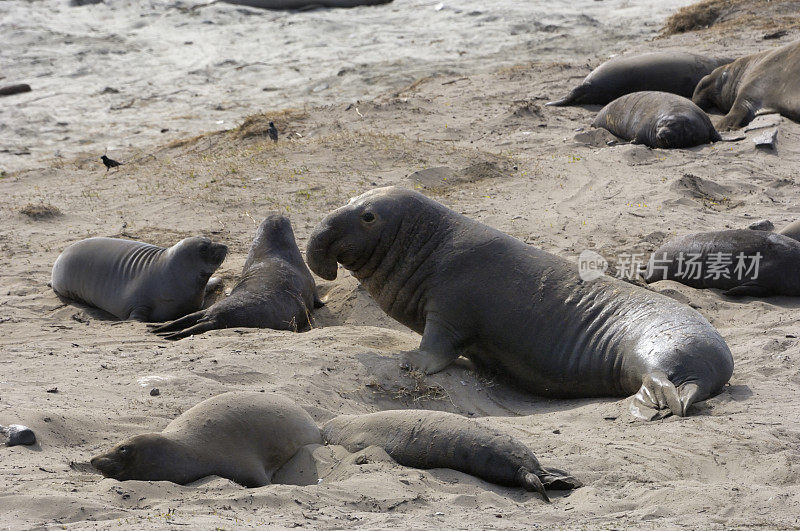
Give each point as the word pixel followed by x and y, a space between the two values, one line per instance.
pixel 319 254
pixel 110 468
pixel 217 252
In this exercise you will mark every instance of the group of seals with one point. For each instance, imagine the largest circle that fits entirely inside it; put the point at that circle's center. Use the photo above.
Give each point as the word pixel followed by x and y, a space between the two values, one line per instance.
pixel 275 289
pixel 759 83
pixel 511 308
pixel 247 437
pixel 742 262
pixel 135 280
pixel 657 119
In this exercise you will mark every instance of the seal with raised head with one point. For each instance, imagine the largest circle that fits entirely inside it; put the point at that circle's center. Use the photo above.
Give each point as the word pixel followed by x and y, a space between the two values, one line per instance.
pixel 674 72
pixel 657 119
pixel 246 437
pixel 516 310
pixel 275 290
pixel 136 280
pixel 765 82
pixel 743 262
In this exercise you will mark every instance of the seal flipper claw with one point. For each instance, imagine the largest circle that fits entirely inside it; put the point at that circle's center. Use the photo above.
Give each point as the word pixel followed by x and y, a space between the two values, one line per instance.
pixel 179 324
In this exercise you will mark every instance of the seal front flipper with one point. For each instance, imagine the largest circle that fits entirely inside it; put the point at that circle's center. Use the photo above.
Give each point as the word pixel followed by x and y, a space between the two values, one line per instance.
pixel 658 398
pixel 436 350
pixel 140 314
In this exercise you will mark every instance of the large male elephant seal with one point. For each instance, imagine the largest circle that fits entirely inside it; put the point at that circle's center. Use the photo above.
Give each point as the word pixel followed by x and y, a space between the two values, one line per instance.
pixel 246 437
pixel 674 72
pixel 305 4
pixel 135 280
pixel 472 290
pixel 765 82
pixel 743 262
pixel 657 119
pixel 276 289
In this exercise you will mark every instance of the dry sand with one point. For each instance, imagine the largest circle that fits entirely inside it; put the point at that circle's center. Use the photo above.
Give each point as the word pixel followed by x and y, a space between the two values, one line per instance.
pixel 733 463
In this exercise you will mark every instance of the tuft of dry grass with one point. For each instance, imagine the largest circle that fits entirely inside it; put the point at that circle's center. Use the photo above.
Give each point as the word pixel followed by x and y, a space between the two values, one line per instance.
pixel 257 125
pixel 731 14
pixel 40 211
pixel 417 391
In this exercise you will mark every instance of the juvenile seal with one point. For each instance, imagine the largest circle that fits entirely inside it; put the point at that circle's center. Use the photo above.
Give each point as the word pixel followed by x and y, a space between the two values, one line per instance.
pixel 275 290
pixel 246 437
pixel 135 280
pixel 474 291
pixel 674 72
pixel 755 84
pixel 743 262
pixel 657 119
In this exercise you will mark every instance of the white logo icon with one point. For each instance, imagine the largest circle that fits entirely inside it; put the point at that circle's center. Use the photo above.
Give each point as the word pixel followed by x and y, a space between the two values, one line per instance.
pixel 591 266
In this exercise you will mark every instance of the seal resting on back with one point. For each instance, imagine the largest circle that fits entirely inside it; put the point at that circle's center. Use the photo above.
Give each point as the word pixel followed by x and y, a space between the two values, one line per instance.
pixel 511 308
pixel 305 4
pixel 246 437
pixel 276 289
pixel 674 72
pixel 657 119
pixel 135 280
pixel 742 262
pixel 760 83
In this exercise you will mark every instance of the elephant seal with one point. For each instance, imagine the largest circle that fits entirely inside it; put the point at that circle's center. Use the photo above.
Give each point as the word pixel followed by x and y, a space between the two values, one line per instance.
pixel 674 72
pixel 305 4
pixel 743 262
pixel 435 439
pixel 135 280
pixel 657 119
pixel 792 230
pixel 275 290
pixel 760 83
pixel 516 310
pixel 246 437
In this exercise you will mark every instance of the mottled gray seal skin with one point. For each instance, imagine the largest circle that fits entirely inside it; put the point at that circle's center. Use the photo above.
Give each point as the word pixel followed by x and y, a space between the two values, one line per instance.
pixel 435 439
pixel 516 310
pixel 246 437
pixel 135 280
pixel 760 83
pixel 674 72
pixel 305 4
pixel 775 274
pixel 657 119
pixel 276 289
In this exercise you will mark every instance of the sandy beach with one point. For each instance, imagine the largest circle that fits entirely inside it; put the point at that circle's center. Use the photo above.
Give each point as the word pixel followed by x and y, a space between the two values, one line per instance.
pixel 82 380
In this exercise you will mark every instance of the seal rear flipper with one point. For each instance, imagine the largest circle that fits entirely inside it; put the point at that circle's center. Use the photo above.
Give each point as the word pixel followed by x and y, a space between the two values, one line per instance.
pixel 189 325
pixel 573 97
pixel 531 482
pixel 179 324
pixel 747 290
pixel 658 398
pixel 555 479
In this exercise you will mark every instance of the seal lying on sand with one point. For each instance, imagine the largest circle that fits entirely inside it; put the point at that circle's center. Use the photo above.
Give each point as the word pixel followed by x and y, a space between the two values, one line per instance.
pixel 674 72
pixel 792 230
pixel 305 4
pixel 760 83
pixel 657 119
pixel 472 290
pixel 275 290
pixel 743 262
pixel 246 437
pixel 135 280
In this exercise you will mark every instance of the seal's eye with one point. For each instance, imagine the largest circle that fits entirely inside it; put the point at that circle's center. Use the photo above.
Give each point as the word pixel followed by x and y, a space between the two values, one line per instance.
pixel 369 217
pixel 124 451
